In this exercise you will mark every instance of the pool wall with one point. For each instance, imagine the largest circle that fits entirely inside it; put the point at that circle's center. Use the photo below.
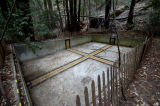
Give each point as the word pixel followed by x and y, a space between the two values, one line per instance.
pixel 25 53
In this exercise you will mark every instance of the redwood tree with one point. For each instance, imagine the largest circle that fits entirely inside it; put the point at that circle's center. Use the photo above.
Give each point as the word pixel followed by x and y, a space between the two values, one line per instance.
pixel 68 16
pixel 131 12
pixel 72 19
pixel 79 11
pixel 107 13
pixel 58 8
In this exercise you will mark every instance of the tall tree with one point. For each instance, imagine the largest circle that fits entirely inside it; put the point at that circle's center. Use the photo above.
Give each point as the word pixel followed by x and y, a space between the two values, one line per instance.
pixel 71 15
pixel 68 16
pixel 64 11
pixel 61 23
pixel 71 10
pixel 96 1
pixel 75 16
pixel 4 8
pixel 39 4
pixel 79 11
pixel 50 4
pixel 24 7
pixel 45 4
pixel 84 8
pixel 107 13
pixel 89 5
pixel 50 14
pixel 131 12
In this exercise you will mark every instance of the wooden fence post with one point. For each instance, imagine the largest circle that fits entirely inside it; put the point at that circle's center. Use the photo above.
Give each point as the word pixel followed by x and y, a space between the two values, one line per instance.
pixel 78 103
pixel 99 91
pixel 135 60
pixel 128 66
pixel 116 87
pixel 111 84
pixel 119 81
pixel 93 93
pixel 124 70
pixel 104 89
pixel 86 96
pixel 108 84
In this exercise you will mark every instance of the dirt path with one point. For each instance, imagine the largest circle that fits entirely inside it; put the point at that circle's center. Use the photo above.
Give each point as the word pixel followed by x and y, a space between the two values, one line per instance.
pixel 145 88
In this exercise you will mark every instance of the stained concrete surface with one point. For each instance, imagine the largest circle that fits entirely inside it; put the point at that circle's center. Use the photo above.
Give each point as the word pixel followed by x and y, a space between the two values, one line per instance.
pixel 36 67
pixel 25 53
pixel 112 53
pixel 62 89
pixel 89 47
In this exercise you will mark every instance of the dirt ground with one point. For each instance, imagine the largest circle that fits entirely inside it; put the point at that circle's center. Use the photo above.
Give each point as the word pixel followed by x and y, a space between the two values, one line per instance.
pixel 8 80
pixel 145 88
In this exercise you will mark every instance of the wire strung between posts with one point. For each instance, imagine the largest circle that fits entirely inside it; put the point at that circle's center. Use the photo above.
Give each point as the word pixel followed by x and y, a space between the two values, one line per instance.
pixel 114 32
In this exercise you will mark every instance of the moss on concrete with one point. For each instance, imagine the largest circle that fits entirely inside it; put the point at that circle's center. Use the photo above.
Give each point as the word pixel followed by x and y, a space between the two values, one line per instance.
pixel 128 42
pixel 101 39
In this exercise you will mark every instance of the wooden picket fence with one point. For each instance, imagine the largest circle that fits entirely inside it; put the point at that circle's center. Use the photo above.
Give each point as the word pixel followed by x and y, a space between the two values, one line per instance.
pixel 112 84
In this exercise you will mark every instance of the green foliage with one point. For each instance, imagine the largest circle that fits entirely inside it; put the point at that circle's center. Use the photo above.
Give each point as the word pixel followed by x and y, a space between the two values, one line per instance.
pixel 45 21
pixel 27 21
pixel 18 25
pixel 122 41
pixel 127 3
pixel 32 45
pixel 15 29
pixel 155 16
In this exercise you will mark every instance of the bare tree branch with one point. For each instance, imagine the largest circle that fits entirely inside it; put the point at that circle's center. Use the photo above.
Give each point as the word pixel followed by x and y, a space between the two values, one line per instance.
pixel 9 18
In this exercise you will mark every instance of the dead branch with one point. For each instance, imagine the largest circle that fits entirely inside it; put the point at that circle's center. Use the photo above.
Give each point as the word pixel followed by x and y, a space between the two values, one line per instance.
pixel 9 18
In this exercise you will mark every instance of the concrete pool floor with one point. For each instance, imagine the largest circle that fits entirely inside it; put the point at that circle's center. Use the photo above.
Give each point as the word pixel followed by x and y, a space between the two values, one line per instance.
pixel 75 68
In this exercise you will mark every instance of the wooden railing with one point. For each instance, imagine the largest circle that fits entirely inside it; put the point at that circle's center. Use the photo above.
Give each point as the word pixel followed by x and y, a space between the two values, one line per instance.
pixel 112 84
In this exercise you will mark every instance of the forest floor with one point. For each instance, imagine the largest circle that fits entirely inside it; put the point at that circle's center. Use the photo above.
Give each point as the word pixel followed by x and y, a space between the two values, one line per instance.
pixel 145 88
pixel 7 75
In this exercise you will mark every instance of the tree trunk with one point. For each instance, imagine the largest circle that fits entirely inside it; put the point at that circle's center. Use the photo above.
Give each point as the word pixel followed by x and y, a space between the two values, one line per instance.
pixel 4 8
pixel 68 19
pixel 39 4
pixel 45 4
pixel 50 15
pixel 96 5
pixel 50 4
pixel 84 8
pixel 75 24
pixel 64 11
pixel 7 22
pixel 107 13
pixel 71 15
pixel 61 23
pixel 89 5
pixel 131 12
pixel 79 12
